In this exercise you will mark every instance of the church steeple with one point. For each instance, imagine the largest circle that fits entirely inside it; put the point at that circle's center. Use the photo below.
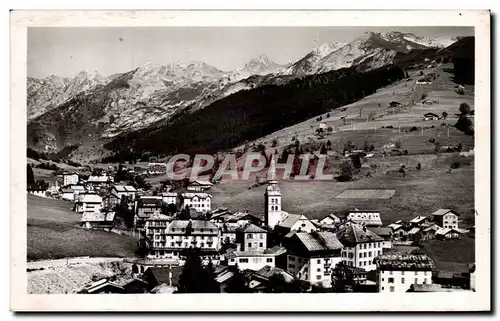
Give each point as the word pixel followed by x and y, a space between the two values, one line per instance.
pixel 272 197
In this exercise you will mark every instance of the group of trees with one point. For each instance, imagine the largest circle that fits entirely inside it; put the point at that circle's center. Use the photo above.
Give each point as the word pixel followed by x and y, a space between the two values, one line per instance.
pixel 32 183
pixel 464 124
pixel 250 114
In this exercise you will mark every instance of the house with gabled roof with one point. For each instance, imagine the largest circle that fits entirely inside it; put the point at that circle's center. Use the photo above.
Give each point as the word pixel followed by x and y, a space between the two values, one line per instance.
pixel 251 238
pixel 311 257
pixel 103 286
pixel 254 260
pixel 88 203
pixel 199 186
pixel 294 222
pixel 361 246
pixel 201 202
pixel 386 234
pixel 445 218
pixel 365 217
pixel 124 191
pixel 418 221
pixel 100 219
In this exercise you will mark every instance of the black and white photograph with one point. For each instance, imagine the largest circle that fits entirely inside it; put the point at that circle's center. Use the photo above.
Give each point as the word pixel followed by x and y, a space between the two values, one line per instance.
pixel 279 159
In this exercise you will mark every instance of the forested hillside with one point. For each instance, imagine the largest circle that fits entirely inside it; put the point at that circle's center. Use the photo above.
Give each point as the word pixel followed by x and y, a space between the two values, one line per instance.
pixel 250 114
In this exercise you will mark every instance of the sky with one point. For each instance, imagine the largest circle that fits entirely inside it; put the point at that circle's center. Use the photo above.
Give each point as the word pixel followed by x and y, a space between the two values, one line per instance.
pixel 65 51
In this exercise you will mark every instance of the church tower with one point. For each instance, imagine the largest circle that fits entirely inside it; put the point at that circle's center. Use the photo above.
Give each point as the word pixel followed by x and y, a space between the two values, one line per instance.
pixel 272 197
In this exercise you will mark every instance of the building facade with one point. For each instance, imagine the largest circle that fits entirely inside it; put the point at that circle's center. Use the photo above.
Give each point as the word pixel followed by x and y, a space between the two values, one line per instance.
pixel 200 202
pixel 70 179
pixel 397 272
pixel 272 214
pixel 361 246
pixel 445 218
pixel 251 238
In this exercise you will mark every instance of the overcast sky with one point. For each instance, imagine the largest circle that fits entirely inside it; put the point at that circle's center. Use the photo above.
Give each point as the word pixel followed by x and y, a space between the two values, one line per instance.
pixel 67 51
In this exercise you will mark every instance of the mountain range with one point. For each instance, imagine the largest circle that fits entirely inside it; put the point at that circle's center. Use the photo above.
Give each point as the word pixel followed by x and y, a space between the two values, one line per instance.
pixel 68 111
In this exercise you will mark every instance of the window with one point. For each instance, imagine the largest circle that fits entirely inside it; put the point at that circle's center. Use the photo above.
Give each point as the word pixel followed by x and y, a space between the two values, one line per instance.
pixel 402 280
pixel 319 261
pixel 416 281
pixel 390 272
pixel 391 289
pixel 360 255
pixel 369 245
pixel 370 254
pixel 382 288
pixel 291 258
pixel 249 244
pixel 318 277
pixel 269 260
pixel 402 272
pixel 425 280
pixel 249 236
pixel 382 279
pixel 261 236
pixel 303 225
pixel 243 260
pixel 425 273
pixel 391 280
pixel 318 270
pixel 291 266
pixel 416 273
pixel 172 244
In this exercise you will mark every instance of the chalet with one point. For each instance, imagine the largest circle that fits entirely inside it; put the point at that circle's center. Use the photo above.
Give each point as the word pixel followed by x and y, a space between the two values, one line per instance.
pixel 67 194
pixel 251 238
pixel 445 218
pixel 254 260
pixel 169 198
pixel 418 221
pixel 431 116
pixel 156 276
pixel 397 272
pixel 70 179
pixel 124 191
pixel 136 286
pixel 99 180
pixel 101 287
pixel 110 201
pixel 258 280
pixel 199 186
pixel 398 230
pixel 414 233
pixel 294 222
pixel 322 126
pixel 361 246
pixel 228 233
pixel 93 220
pixel 429 231
pixel 201 202
pixel 386 234
pixel 330 219
pixel 366 218
pixel 88 202
pixel 447 234
pixel 312 256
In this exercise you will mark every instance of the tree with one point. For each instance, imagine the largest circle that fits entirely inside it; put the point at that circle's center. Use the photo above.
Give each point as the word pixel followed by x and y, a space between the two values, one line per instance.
pixel 144 246
pixel 464 109
pixel 195 278
pixel 237 284
pixel 444 114
pixel 30 176
pixel 342 278
pixel 419 166
pixel 366 146
pixel 274 142
pixel 323 150
pixel 328 144
pixel 184 214
pixel 346 172
pixel 398 144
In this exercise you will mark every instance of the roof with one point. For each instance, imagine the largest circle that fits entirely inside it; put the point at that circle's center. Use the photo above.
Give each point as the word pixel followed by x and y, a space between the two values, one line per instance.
pixel 289 220
pixel 267 271
pixel 418 219
pixel 111 195
pixel 99 179
pixel 169 194
pixel 404 262
pixel 166 274
pixel 319 241
pixel 395 226
pixel 381 231
pixel 163 289
pixel 414 230
pixel 199 195
pixel 98 217
pixel 101 284
pixel 444 231
pixel 430 115
pixel 251 228
pixel 353 234
pixel 434 288
pixel 264 253
pixel 149 202
pixel 90 198
pixel 158 217
pixel 198 182
pixel 177 226
pixel 124 188
pixel 442 212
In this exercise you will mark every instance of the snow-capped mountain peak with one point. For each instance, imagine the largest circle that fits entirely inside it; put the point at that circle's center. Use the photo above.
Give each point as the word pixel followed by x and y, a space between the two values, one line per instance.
pixel 327 48
pixel 260 64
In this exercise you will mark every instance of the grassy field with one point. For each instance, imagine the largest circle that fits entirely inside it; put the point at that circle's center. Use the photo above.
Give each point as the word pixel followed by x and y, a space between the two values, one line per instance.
pixel 451 255
pixel 53 233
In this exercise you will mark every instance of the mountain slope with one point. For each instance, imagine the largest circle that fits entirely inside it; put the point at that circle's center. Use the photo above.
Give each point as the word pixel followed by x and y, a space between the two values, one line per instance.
pixel 254 113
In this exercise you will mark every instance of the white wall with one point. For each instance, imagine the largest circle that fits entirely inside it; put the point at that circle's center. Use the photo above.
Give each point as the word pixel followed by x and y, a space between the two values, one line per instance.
pixel 363 255
pixel 199 204
pixel 70 179
pixel 450 220
pixel 305 226
pixel 388 279
pixel 313 270
pixel 253 263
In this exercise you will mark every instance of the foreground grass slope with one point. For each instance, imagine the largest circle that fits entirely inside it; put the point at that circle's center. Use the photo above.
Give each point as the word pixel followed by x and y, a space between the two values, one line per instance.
pixel 53 233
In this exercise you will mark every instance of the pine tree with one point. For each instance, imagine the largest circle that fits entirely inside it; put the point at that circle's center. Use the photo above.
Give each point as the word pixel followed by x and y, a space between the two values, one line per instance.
pixel 30 176
pixel 194 277
pixel 237 283
pixel 323 150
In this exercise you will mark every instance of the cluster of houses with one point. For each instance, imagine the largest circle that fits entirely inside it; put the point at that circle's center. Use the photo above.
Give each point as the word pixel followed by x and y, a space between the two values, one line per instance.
pixel 278 242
